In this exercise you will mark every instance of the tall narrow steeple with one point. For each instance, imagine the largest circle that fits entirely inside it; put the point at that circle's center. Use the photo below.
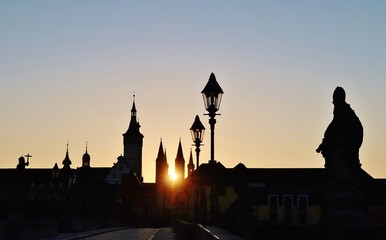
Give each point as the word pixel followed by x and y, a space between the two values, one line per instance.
pixel 162 167
pixel 132 143
pixel 134 124
pixel 161 154
pixel 133 112
pixel 190 164
pixel 180 162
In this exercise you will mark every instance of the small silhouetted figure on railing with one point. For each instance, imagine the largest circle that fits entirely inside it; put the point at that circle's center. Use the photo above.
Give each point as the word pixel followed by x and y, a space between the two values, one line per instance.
pixel 340 146
pixel 22 164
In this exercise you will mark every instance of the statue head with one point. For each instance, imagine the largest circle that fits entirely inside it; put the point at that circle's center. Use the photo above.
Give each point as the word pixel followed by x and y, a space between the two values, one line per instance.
pixel 339 95
pixel 21 160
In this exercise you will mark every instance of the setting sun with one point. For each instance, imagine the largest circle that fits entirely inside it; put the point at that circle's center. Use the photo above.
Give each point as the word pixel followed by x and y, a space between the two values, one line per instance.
pixel 173 176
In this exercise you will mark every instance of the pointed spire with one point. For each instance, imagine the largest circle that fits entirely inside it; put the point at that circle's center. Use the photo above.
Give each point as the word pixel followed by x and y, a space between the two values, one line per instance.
pixel 190 164
pixel 134 124
pixel 191 158
pixel 66 162
pixel 180 162
pixel 180 155
pixel 161 153
pixel 161 165
pixel 133 109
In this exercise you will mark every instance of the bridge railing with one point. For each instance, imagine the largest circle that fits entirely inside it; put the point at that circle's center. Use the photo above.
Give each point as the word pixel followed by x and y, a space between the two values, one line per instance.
pixel 191 231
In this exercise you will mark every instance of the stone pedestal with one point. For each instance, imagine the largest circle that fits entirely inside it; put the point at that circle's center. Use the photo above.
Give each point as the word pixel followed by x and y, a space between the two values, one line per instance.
pixel 344 217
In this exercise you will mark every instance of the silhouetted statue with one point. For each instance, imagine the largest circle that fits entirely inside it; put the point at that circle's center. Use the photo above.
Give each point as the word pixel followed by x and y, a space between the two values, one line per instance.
pixel 22 164
pixel 344 215
pixel 340 145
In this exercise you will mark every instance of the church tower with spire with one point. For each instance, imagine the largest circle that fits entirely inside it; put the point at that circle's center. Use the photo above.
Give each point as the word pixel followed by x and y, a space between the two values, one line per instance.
pixel 86 159
pixel 132 144
pixel 161 182
pixel 162 166
pixel 180 163
pixel 66 162
pixel 66 174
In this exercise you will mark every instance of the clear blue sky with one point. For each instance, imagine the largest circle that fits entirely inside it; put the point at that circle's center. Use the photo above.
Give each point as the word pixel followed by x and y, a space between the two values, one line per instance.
pixel 68 70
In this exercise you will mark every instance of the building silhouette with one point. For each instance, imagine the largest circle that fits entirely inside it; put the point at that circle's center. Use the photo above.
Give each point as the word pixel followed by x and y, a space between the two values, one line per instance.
pixel 251 201
pixel 132 144
pixel 132 152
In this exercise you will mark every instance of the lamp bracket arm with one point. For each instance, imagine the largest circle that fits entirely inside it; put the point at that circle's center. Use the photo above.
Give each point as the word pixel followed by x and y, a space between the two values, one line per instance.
pixel 216 114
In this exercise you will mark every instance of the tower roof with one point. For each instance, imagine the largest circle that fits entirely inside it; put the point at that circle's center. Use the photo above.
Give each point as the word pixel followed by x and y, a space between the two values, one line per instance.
pixel 134 126
pixel 86 156
pixel 161 153
pixel 180 155
pixel 133 109
pixel 191 164
pixel 66 162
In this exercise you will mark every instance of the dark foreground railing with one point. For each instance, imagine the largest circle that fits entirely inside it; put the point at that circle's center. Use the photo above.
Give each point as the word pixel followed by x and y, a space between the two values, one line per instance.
pixel 192 231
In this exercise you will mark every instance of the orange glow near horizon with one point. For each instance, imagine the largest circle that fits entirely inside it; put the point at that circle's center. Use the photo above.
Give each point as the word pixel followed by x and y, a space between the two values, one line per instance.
pixel 173 176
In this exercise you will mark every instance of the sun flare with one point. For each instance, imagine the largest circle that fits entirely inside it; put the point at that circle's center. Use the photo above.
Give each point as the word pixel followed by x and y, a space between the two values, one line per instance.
pixel 173 176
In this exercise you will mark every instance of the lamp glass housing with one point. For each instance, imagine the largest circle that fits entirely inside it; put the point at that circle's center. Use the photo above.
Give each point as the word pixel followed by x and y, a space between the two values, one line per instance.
pixel 197 130
pixel 212 100
pixel 212 94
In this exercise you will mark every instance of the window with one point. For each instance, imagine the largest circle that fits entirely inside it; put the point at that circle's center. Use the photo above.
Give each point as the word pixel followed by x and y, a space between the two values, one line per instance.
pixel 288 208
pixel 303 208
pixel 273 202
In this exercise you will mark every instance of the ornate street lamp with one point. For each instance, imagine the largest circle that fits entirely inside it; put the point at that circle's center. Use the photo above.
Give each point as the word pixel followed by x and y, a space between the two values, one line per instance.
pixel 197 130
pixel 212 95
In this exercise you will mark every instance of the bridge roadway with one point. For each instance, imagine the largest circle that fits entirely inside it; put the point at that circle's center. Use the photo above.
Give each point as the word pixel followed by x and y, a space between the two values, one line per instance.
pixel 118 234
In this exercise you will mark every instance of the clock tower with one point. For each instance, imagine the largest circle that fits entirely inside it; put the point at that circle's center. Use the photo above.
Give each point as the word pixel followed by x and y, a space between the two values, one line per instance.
pixel 132 144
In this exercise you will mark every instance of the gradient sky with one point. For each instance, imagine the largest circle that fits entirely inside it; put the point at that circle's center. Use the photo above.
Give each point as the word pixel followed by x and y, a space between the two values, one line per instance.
pixel 68 70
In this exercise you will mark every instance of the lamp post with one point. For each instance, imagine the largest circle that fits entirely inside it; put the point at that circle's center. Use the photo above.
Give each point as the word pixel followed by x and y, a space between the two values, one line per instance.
pixel 197 130
pixel 212 95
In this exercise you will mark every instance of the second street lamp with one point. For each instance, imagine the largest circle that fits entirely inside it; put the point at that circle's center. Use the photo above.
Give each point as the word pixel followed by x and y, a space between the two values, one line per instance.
pixel 197 130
